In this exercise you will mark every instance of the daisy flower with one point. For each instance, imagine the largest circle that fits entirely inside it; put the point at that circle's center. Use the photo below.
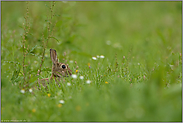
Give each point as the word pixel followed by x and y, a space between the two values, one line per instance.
pixel 94 58
pixel 68 84
pixel 62 101
pixel 102 57
pixel 74 76
pixel 88 81
pixel 81 77
pixel 22 91
pixel 71 61
pixel 30 90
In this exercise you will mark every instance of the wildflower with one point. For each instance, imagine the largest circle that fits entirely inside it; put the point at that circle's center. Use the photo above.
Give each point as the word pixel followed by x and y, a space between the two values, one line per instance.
pixel 88 64
pixel 106 82
pixel 68 84
pixel 97 56
pixel 94 58
pixel 101 56
pixel 22 91
pixel 77 71
pixel 30 90
pixel 64 53
pixel 71 61
pixel 144 77
pixel 88 81
pixel 59 105
pixel 108 42
pixel 49 95
pixel 78 108
pixel 87 104
pixel 62 101
pixel 74 76
pixel 81 77
pixel 123 57
pixel 33 110
pixel 46 55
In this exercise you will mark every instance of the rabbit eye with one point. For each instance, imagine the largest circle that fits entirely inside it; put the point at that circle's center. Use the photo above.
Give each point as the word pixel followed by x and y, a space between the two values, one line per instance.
pixel 63 66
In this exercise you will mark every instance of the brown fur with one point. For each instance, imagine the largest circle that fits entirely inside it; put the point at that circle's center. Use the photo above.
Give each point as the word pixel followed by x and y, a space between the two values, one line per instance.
pixel 59 70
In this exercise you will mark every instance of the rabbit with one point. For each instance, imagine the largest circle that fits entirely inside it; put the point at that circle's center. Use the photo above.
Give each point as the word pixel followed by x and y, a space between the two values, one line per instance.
pixel 59 70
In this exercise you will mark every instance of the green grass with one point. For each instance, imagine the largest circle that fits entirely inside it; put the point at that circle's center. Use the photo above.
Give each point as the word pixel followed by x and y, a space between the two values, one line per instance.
pixel 140 78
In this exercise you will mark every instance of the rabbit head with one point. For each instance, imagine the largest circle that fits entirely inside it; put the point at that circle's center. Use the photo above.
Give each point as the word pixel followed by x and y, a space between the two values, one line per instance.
pixel 58 69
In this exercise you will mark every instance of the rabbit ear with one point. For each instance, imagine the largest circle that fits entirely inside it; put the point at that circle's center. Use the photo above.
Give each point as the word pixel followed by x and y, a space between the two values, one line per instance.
pixel 69 70
pixel 53 55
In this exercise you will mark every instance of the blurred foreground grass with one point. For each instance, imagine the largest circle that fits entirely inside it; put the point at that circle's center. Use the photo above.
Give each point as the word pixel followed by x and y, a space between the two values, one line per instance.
pixel 139 78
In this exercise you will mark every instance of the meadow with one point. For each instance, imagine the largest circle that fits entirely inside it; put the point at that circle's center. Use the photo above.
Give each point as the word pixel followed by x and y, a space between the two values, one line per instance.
pixel 126 58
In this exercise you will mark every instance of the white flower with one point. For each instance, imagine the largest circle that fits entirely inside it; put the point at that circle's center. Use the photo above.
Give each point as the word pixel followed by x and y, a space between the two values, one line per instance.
pixel 35 62
pixel 108 42
pixel 46 55
pixel 101 56
pixel 97 56
pixel 81 77
pixel 62 101
pixel 30 90
pixel 88 81
pixel 68 84
pixel 94 58
pixel 74 76
pixel 22 91
pixel 71 61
